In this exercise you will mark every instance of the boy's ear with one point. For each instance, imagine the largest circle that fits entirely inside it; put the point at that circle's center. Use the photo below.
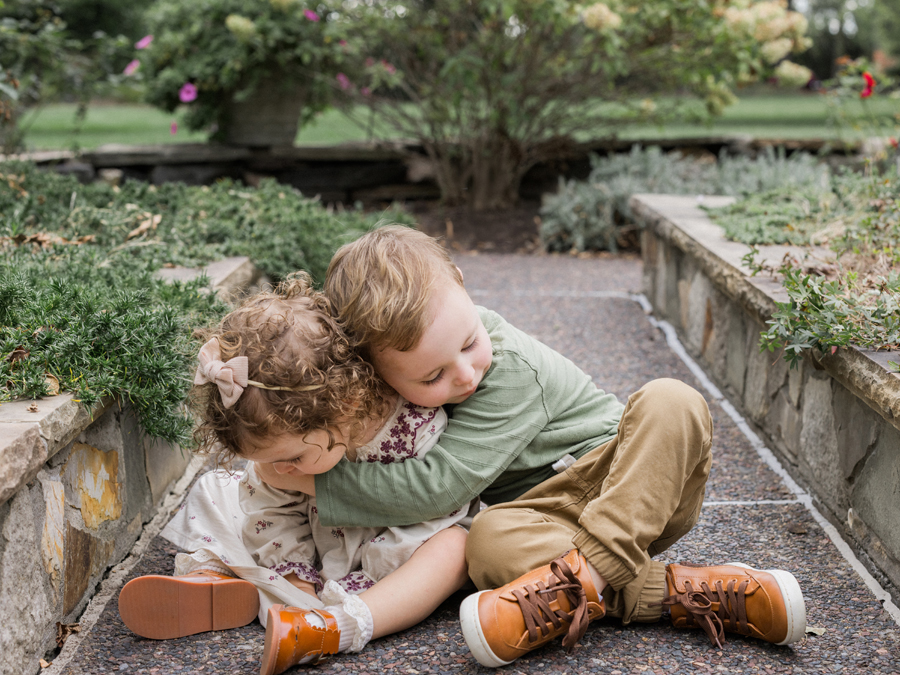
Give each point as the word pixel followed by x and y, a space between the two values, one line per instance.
pixel 461 276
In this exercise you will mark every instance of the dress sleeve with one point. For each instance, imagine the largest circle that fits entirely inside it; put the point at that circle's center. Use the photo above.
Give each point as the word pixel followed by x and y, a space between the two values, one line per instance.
pixel 276 529
pixel 484 435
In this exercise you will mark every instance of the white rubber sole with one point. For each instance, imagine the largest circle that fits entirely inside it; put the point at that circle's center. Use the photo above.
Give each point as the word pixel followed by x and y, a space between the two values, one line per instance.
pixel 474 636
pixel 794 603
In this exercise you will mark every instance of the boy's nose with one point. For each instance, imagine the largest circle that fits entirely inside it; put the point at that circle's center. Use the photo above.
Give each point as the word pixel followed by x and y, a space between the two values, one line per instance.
pixel 465 374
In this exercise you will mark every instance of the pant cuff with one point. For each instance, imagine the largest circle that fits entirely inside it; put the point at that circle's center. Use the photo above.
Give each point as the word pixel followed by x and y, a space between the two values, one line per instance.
pixel 649 605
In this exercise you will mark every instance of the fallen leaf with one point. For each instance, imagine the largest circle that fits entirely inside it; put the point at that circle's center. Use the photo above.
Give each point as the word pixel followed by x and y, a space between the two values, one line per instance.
pixel 64 630
pixel 815 630
pixel 33 408
pixel 149 223
pixel 18 354
pixel 52 384
pixel 44 664
pixel 797 529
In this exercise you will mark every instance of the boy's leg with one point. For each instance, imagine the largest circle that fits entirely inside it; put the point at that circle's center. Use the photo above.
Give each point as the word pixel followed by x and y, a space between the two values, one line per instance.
pixel 618 505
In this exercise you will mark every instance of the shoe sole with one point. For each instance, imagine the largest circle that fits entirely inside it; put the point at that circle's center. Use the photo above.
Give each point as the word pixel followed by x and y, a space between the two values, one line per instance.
pixel 270 648
pixel 794 604
pixel 471 629
pixel 162 608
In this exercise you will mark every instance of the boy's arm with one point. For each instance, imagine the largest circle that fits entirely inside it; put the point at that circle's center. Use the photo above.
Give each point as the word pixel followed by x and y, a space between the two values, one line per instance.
pixel 485 434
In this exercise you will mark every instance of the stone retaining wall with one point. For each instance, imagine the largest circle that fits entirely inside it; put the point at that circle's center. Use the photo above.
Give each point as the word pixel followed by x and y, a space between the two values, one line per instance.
pixel 76 487
pixel 834 422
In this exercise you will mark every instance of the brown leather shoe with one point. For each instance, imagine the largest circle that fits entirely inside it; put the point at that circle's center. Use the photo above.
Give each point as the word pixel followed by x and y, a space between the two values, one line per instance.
pixel 161 608
pixel 765 604
pixel 501 625
pixel 291 639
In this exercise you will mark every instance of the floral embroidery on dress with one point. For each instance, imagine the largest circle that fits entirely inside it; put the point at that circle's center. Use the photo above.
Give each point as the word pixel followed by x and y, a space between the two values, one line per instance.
pixel 355 582
pixel 304 571
pixel 376 540
pixel 250 489
pixel 276 544
pixel 337 533
pixel 263 525
pixel 401 444
pixel 207 539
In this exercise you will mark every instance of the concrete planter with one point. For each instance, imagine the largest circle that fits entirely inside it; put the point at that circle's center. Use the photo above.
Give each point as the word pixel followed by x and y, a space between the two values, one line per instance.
pixel 834 422
pixel 76 487
pixel 269 117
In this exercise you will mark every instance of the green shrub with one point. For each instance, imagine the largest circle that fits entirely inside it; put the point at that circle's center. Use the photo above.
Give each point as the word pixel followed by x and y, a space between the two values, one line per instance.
pixel 856 301
pixel 594 214
pixel 78 297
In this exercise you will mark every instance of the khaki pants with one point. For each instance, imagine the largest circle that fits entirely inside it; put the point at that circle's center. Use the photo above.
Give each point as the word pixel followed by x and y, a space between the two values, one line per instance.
pixel 619 505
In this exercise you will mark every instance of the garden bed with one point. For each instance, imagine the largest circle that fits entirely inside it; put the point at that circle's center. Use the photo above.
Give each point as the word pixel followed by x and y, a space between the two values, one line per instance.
pixel 834 420
pixel 77 485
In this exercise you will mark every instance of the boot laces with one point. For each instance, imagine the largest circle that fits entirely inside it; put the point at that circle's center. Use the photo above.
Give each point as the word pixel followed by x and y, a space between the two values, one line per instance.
pixel 716 609
pixel 535 605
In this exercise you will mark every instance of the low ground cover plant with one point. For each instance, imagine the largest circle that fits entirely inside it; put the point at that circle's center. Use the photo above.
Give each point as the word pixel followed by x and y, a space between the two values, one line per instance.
pixel 855 301
pixel 595 215
pixel 80 307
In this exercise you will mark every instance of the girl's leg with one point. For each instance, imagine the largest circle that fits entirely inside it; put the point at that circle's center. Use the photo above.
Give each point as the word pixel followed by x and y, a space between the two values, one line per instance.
pixel 432 574
pixel 402 599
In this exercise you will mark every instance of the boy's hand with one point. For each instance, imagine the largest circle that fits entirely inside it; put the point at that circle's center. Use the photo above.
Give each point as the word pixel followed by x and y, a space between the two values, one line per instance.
pixel 296 482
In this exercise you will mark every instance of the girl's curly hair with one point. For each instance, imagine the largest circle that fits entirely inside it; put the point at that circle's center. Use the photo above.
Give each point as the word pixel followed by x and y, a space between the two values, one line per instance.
pixel 290 340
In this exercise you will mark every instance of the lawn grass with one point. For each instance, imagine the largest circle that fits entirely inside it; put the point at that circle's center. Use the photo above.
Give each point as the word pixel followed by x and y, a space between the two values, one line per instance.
pixel 793 116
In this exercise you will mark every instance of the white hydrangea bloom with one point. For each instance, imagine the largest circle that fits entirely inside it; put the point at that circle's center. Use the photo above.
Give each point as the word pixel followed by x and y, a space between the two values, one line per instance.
pixel 792 74
pixel 776 50
pixel 600 17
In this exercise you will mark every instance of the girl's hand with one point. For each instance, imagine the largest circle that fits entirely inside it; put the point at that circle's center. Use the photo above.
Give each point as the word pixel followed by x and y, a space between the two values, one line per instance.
pixel 295 482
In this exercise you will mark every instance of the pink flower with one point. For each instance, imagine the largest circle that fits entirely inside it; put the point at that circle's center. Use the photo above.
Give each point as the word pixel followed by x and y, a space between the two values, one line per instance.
pixel 343 81
pixel 311 15
pixel 342 43
pixel 365 91
pixel 144 42
pixel 388 67
pixel 187 93
pixel 173 128
pixel 132 67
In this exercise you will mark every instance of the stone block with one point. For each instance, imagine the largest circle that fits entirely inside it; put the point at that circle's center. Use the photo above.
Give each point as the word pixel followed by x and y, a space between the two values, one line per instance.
pixel 818 441
pixel 92 478
pixel 715 335
pixel 22 453
pixel 26 614
pixel 795 383
pixel 86 557
pixel 783 422
pixel 736 349
pixel 858 428
pixel 756 401
pixel 698 312
pixel 53 536
pixel 878 485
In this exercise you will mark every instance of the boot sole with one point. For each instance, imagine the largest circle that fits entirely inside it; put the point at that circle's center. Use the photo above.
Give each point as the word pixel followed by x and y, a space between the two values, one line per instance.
pixel 794 603
pixel 474 635
pixel 162 608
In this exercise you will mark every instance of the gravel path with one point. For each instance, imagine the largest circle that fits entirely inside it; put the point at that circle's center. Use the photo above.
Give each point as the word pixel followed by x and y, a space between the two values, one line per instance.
pixel 582 308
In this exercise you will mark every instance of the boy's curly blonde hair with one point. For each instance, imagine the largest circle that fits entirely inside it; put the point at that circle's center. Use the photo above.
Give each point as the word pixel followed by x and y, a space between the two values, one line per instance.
pixel 381 284
pixel 291 340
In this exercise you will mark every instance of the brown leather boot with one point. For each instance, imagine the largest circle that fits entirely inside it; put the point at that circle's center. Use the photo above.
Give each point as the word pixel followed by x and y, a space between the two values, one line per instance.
pixel 291 639
pixel 765 604
pixel 161 608
pixel 501 625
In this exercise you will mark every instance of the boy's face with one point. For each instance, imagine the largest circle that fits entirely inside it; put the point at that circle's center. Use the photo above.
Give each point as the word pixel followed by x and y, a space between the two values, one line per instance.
pixel 451 358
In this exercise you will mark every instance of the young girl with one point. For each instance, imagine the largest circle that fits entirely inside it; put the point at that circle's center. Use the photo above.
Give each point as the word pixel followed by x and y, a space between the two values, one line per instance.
pixel 283 388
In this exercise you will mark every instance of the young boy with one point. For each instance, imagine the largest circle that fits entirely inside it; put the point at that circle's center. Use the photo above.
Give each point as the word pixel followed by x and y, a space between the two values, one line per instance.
pixel 584 491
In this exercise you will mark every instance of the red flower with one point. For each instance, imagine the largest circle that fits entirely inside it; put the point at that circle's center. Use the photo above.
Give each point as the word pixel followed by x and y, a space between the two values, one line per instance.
pixel 893 142
pixel 870 85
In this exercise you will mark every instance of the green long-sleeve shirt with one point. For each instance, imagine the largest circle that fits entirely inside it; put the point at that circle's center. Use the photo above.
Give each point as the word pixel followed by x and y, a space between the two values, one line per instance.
pixel 532 407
